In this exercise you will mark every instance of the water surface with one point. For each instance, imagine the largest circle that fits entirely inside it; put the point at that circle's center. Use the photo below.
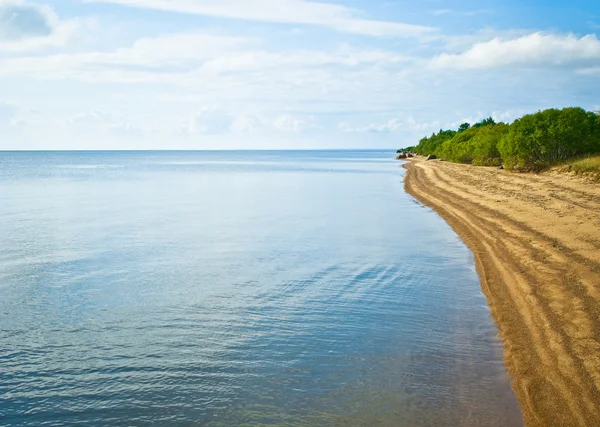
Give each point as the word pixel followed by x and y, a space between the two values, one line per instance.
pixel 236 288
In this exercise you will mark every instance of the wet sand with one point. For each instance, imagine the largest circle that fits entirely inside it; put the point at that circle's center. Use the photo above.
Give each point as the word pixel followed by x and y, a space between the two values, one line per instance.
pixel 536 242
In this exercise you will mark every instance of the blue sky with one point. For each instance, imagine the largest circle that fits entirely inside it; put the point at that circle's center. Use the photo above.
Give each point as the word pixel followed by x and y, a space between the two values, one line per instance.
pixel 259 74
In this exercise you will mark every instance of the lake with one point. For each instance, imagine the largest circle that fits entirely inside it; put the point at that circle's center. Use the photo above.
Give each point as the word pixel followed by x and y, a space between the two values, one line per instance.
pixel 299 288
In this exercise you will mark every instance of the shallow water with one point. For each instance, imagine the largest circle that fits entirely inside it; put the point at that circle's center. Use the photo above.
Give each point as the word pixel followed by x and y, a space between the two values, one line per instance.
pixel 236 288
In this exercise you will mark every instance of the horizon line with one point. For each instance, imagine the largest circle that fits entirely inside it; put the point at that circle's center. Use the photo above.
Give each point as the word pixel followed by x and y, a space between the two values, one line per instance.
pixel 189 150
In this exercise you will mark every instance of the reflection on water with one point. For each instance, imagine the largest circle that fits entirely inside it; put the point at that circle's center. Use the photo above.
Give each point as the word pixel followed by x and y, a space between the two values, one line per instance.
pixel 240 288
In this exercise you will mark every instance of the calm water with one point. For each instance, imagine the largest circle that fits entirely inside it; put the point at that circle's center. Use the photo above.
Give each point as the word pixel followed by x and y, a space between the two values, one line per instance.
pixel 236 288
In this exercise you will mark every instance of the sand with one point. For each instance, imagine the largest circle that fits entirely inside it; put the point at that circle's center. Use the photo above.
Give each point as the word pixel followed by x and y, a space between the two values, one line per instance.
pixel 536 243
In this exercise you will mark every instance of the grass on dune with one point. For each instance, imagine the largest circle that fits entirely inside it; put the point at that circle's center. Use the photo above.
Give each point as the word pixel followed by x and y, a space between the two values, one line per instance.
pixel 589 166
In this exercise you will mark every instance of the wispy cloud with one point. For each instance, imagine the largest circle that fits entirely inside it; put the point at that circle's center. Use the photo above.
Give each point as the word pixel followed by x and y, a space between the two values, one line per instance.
pixel 215 120
pixel 391 125
pixel 589 71
pixel 440 12
pixel 207 120
pixel 181 58
pixel 99 119
pixel 148 59
pixel 405 125
pixel 337 17
pixel 288 123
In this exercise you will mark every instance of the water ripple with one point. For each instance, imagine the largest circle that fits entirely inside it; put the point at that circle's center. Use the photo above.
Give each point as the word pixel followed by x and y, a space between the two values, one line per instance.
pixel 212 289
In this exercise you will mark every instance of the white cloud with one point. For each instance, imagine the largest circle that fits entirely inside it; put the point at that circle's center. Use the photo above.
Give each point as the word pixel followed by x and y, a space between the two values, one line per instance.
pixel 458 43
pixel 414 126
pixel 217 121
pixel 288 123
pixel 305 12
pixel 531 50
pixel 148 59
pixel 245 124
pixel 193 58
pixel 505 116
pixel 114 122
pixel 168 50
pixel 207 120
pixel 26 25
pixel 263 60
pixel 391 125
pixel 101 119
pixel 407 125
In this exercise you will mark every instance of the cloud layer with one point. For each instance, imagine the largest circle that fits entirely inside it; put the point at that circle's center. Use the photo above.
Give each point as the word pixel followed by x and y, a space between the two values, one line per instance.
pixel 272 73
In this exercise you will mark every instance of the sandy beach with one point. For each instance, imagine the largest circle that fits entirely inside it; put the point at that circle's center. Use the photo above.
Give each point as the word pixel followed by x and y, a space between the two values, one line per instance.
pixel 536 242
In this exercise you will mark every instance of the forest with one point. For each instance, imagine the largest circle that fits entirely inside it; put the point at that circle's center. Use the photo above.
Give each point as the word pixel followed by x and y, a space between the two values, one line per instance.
pixel 531 143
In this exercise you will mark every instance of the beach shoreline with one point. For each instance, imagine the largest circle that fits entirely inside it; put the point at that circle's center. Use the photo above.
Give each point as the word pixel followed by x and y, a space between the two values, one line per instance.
pixel 536 244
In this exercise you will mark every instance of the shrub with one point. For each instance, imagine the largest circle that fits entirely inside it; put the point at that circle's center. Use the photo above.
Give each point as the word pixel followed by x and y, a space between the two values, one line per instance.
pixel 533 142
pixel 485 145
pixel 539 140
pixel 459 148
pixel 430 145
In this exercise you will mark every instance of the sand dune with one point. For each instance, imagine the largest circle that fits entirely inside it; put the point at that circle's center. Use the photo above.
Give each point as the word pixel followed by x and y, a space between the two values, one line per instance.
pixel 536 241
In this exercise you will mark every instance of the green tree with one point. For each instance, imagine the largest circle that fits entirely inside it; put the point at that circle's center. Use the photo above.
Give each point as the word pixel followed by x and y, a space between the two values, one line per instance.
pixel 464 127
pixel 485 122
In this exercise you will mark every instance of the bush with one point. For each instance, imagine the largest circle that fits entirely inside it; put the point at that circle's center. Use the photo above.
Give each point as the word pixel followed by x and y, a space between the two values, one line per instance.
pixel 429 145
pixel 532 142
pixel 485 145
pixel 539 140
pixel 459 148
pixel 477 144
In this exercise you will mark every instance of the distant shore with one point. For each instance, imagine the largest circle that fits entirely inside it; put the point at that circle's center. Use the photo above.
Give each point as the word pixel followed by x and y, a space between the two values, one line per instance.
pixel 536 243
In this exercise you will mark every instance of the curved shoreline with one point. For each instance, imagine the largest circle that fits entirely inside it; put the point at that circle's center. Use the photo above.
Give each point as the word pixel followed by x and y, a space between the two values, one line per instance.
pixel 536 244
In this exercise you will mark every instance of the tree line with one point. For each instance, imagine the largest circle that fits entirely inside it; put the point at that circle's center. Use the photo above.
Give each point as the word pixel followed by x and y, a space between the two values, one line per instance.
pixel 532 143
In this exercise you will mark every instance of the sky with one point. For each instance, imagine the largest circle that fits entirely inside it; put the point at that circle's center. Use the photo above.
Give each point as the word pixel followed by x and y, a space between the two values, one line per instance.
pixel 284 74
